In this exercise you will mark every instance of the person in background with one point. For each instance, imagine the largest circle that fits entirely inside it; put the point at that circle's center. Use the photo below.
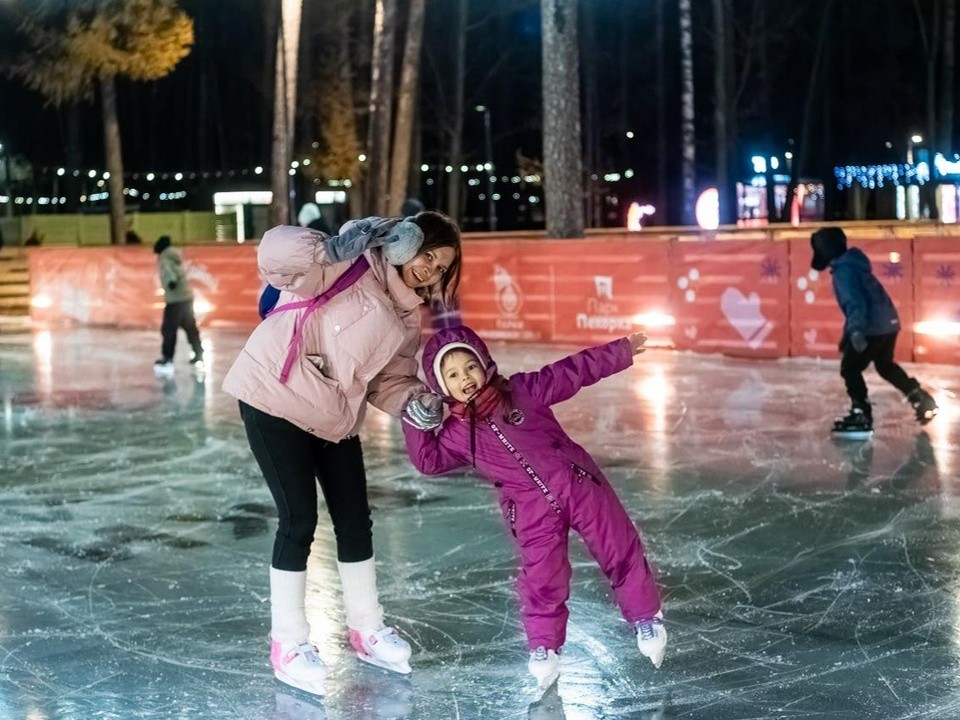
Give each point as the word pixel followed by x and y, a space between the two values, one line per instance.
pixel 178 307
pixel 870 329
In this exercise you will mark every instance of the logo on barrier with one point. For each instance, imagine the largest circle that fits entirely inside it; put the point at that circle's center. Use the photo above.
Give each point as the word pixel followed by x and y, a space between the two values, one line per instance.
pixel 743 313
pixel 507 292
pixel 770 270
pixel 604 285
pixel 892 270
pixel 603 312
pixel 197 272
pixel 946 274
pixel 686 284
pixel 803 285
pixel 509 300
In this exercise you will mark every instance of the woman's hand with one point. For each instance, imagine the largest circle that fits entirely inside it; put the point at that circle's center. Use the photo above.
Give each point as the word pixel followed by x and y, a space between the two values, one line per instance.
pixel 638 342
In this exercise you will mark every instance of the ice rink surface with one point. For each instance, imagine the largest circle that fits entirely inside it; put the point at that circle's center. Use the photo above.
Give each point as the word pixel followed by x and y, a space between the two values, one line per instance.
pixel 803 578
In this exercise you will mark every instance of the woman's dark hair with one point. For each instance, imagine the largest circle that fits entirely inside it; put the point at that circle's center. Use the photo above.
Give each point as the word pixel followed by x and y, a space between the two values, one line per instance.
pixel 440 231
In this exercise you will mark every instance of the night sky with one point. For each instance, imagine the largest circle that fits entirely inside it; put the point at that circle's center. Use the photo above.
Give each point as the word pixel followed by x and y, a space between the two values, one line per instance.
pixel 213 113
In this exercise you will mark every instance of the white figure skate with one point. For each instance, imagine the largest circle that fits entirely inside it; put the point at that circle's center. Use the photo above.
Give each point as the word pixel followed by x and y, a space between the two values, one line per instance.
pixel 383 648
pixel 652 639
pixel 544 665
pixel 298 665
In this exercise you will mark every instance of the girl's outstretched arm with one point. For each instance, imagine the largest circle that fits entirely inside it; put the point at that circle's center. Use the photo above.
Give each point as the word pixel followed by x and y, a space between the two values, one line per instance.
pixel 561 380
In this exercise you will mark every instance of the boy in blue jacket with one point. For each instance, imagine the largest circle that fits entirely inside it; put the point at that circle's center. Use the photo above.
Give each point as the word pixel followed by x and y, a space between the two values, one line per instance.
pixel 869 332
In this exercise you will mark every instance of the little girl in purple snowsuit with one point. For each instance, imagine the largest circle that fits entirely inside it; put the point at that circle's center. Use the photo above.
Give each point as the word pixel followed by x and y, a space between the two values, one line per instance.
pixel 547 484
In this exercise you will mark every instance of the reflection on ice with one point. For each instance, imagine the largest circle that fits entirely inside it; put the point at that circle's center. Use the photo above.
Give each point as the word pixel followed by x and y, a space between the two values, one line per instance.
pixel 803 578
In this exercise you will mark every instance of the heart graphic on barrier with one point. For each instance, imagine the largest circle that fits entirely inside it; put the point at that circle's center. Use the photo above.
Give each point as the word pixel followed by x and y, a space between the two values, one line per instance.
pixel 810 336
pixel 743 313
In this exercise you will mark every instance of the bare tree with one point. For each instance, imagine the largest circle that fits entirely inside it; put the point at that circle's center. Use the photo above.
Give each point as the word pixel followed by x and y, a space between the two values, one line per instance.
pixel 381 107
pixel 948 73
pixel 689 140
pixel 930 40
pixel 409 84
pixel 284 108
pixel 455 177
pixel 563 182
pixel 722 72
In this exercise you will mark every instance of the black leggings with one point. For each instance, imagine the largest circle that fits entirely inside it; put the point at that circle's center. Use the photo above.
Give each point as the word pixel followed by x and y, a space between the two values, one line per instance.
pixel 292 460
pixel 879 352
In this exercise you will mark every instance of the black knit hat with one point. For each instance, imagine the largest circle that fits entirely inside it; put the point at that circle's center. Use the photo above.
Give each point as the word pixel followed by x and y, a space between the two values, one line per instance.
pixel 828 244
pixel 162 244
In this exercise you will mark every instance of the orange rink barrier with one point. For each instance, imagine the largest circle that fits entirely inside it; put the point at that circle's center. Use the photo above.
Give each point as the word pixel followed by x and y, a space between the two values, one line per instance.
pixel 748 298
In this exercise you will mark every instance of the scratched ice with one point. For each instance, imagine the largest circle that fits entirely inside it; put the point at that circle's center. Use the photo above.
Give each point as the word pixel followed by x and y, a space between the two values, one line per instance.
pixel 803 579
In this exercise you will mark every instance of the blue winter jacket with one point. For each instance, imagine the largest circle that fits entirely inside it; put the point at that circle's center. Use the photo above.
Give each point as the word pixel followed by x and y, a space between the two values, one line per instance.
pixel 865 304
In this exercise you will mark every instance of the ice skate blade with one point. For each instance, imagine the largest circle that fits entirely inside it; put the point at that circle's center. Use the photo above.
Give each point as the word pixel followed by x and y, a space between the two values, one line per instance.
pixel 399 668
pixel 852 434
pixel 163 371
pixel 312 688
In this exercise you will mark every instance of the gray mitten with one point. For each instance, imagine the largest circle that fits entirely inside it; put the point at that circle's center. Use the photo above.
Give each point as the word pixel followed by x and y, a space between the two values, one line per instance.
pixel 424 411
pixel 358 236
pixel 857 341
pixel 403 243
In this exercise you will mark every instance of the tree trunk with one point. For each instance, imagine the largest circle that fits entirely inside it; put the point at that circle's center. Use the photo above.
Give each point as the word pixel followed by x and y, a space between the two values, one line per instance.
pixel 74 148
pixel 688 133
pixel 721 108
pixel 381 107
pixel 111 146
pixel 803 150
pixel 928 192
pixel 945 144
pixel 409 90
pixel 284 108
pixel 662 209
pixel 563 181
pixel 591 124
pixel 455 178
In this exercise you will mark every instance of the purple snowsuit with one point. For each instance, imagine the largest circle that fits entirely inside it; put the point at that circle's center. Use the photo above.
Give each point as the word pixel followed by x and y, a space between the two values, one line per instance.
pixel 546 482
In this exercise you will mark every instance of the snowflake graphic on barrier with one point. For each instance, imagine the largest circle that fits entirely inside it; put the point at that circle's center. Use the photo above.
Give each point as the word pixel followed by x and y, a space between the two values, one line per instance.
pixel 946 274
pixel 770 269
pixel 892 270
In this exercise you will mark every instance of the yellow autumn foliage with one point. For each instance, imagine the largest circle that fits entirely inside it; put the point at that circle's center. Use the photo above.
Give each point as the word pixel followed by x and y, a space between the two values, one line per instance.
pixel 138 39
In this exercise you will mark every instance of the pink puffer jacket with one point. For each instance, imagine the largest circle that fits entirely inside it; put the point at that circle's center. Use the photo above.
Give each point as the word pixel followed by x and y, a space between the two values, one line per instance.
pixel 359 347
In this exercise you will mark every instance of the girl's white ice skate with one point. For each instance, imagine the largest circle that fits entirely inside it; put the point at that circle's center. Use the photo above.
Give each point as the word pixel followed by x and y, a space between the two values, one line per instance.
pixel 299 665
pixel 383 648
pixel 544 665
pixel 652 638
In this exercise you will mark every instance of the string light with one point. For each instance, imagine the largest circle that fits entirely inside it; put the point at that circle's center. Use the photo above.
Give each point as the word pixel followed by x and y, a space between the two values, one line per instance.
pixel 874 176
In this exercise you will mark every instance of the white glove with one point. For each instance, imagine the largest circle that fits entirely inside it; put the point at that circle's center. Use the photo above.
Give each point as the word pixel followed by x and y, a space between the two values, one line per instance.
pixel 424 411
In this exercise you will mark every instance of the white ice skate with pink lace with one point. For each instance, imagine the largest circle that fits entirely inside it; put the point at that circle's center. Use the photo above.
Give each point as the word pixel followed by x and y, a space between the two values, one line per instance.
pixel 298 665
pixel 383 648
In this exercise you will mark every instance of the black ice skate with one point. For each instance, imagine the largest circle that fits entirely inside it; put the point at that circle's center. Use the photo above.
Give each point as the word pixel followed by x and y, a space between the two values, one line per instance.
pixel 923 405
pixel 857 425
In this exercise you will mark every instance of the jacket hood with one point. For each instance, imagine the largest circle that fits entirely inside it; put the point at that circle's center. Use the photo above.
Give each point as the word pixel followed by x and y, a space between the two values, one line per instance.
pixel 855 259
pixel 162 244
pixel 828 244
pixel 454 338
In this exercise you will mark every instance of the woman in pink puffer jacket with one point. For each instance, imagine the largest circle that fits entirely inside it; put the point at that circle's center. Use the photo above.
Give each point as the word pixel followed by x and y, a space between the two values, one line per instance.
pixel 344 332
pixel 547 484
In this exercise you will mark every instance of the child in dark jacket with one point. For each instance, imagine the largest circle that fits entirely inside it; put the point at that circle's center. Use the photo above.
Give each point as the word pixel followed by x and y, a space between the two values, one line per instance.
pixel 547 484
pixel 870 332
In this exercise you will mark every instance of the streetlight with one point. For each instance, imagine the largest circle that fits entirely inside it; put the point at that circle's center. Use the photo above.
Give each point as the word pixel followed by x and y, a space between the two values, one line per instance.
pixel 914 140
pixel 491 204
